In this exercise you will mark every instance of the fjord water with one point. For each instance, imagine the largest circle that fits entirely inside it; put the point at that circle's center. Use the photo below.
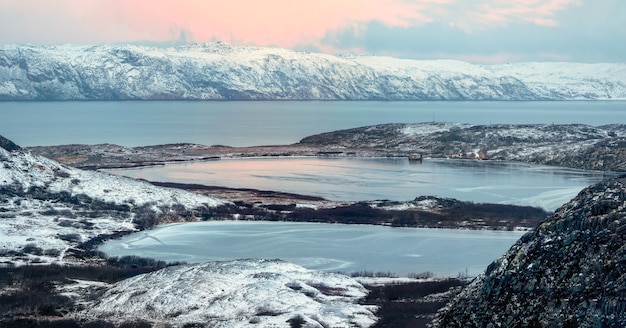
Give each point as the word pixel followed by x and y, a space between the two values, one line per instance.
pixel 254 123
pixel 318 246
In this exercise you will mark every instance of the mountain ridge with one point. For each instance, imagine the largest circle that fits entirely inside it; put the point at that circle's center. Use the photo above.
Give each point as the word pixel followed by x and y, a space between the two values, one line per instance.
pixel 217 71
pixel 569 272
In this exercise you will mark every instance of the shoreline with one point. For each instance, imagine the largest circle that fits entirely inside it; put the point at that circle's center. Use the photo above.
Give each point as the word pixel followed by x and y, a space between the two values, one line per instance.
pixel 107 156
pixel 574 146
pixel 422 212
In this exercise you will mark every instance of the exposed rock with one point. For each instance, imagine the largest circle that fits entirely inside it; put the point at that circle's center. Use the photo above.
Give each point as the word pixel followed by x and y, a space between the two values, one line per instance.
pixel 569 272
pixel 8 144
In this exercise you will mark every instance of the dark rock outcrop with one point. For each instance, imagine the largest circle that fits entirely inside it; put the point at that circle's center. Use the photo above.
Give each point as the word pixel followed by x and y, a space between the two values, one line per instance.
pixel 569 272
pixel 8 144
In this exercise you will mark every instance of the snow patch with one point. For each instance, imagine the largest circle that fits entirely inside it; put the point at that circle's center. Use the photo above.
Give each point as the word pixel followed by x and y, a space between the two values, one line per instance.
pixel 430 128
pixel 241 293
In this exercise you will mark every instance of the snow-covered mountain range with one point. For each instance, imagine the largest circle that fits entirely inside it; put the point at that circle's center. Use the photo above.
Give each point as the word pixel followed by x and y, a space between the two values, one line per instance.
pixel 224 72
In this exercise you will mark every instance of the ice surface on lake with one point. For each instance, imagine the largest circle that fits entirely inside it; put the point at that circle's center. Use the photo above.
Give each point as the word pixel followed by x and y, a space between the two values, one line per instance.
pixel 394 179
pixel 326 247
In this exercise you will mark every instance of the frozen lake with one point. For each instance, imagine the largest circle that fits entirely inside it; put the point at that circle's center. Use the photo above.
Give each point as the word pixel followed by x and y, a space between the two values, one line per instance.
pixel 357 179
pixel 319 246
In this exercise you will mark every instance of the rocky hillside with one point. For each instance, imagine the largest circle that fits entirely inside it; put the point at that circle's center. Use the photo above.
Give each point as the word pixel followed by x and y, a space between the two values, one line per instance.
pixel 48 209
pixel 569 272
pixel 220 71
pixel 571 145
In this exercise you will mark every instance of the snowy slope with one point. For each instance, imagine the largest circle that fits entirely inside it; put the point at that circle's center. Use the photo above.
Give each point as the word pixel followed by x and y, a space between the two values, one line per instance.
pixel 28 170
pixel 47 208
pixel 561 80
pixel 242 293
pixel 220 71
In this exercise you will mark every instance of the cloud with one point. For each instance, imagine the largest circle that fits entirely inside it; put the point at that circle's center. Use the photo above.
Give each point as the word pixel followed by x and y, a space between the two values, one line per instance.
pixel 411 28
pixel 520 41
pixel 538 12
pixel 280 22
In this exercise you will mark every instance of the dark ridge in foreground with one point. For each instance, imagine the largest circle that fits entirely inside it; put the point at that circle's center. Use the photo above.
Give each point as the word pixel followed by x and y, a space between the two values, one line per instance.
pixel 569 272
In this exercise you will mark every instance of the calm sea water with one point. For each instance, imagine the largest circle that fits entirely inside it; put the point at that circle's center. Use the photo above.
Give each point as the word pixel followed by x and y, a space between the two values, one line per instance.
pixel 140 123
pixel 385 178
pixel 327 247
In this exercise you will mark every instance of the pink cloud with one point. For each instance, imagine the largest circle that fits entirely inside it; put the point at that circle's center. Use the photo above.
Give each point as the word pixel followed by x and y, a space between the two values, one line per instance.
pixel 282 23
pixel 279 22
pixel 538 12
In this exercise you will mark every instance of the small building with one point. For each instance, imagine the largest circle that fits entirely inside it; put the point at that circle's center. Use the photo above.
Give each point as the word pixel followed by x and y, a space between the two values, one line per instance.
pixel 415 157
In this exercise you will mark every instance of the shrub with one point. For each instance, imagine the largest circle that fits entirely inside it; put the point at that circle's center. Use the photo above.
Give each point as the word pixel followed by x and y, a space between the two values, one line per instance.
pixel 297 321
pixel 32 249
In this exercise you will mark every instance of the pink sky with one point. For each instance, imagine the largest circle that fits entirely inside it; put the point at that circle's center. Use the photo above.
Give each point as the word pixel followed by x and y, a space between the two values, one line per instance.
pixel 283 23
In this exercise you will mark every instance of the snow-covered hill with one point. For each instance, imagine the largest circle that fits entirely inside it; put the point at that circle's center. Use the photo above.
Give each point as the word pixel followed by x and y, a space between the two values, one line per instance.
pixel 47 208
pixel 571 145
pixel 242 293
pixel 220 71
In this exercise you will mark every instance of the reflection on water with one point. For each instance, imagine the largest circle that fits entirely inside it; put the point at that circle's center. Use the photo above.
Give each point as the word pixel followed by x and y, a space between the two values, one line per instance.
pixel 327 247
pixel 394 179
